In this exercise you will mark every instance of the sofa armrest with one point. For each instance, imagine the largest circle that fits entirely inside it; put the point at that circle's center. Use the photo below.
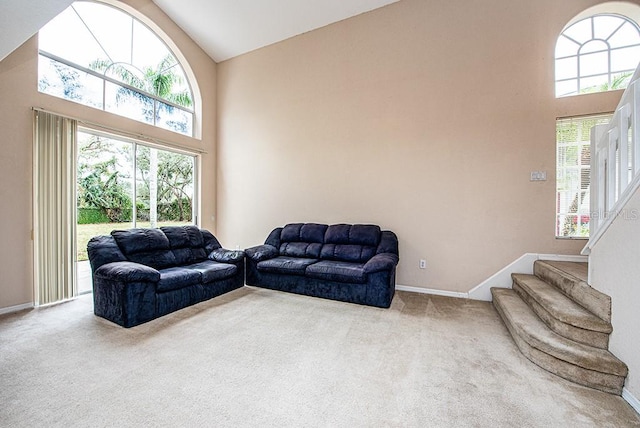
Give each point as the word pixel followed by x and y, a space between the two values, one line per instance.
pixel 261 252
pixel 223 255
pixel 127 272
pixel 380 262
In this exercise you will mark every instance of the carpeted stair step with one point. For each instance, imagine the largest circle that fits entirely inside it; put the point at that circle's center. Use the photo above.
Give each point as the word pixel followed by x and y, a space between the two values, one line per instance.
pixel 593 367
pixel 571 279
pixel 560 313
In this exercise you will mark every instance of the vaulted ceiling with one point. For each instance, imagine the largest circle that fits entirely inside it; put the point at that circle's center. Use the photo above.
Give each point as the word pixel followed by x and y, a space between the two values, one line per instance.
pixel 227 28
pixel 223 28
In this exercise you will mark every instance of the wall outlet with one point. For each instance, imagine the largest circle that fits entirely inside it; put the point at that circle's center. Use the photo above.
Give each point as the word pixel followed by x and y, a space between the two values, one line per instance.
pixel 538 176
pixel 423 264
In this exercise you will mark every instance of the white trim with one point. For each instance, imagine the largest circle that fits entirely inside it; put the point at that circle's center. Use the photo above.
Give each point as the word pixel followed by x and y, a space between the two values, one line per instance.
pixel 523 264
pixel 422 290
pixel 563 258
pixel 16 308
pixel 629 398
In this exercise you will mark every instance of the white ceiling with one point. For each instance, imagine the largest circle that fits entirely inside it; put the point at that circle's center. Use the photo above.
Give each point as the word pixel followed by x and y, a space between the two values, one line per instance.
pixel 223 28
pixel 228 28
pixel 21 19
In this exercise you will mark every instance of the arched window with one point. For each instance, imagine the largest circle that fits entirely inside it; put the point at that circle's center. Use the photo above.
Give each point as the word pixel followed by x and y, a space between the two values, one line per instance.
pixel 596 54
pixel 98 55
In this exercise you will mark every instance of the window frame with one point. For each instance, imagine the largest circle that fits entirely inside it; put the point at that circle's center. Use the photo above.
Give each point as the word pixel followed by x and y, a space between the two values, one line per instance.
pixel 191 111
pixel 578 76
pixel 560 218
pixel 135 143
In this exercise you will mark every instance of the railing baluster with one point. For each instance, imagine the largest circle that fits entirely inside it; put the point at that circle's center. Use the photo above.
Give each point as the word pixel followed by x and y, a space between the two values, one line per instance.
pixel 615 162
pixel 635 127
pixel 611 168
pixel 623 148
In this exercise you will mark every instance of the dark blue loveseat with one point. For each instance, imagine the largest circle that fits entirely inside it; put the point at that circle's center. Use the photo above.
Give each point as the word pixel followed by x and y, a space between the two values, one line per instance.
pixel 350 263
pixel 142 274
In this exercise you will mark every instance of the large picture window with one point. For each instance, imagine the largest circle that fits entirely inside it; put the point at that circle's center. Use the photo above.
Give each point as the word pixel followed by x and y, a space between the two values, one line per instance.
pixel 97 55
pixel 123 183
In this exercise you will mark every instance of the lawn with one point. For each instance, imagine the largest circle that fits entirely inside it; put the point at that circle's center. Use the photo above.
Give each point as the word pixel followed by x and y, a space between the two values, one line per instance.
pixel 88 231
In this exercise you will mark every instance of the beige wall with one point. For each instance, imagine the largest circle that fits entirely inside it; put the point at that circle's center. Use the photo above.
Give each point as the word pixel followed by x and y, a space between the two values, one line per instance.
pixel 18 94
pixel 425 117
pixel 615 271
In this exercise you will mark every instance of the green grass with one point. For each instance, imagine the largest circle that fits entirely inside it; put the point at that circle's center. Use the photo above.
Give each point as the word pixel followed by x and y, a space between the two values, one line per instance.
pixel 88 231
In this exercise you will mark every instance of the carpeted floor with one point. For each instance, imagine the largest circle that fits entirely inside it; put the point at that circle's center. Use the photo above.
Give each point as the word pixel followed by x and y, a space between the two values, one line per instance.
pixel 262 358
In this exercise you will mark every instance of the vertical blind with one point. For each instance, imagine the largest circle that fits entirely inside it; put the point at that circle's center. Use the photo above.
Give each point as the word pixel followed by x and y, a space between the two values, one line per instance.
pixel 54 208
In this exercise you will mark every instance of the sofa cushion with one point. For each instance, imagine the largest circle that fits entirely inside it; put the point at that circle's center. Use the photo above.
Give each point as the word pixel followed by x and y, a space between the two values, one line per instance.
pixel 347 253
pixel 356 234
pixel 350 243
pixel 177 277
pixel 261 252
pixel 187 243
pixel 338 271
pixel 103 250
pixel 213 271
pixel 303 232
pixel 301 249
pixel 226 256
pixel 127 272
pixel 145 246
pixel 282 264
pixel 210 241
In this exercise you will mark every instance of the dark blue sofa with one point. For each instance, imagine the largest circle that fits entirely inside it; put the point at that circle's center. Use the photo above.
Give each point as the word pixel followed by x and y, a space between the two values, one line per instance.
pixel 351 263
pixel 142 274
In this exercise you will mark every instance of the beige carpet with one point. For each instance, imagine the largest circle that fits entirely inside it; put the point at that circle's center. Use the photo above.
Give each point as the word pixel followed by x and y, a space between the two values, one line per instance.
pixel 262 358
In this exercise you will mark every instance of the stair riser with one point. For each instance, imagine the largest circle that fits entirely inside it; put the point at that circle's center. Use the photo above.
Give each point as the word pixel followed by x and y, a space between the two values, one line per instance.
pixel 593 300
pixel 588 337
pixel 601 381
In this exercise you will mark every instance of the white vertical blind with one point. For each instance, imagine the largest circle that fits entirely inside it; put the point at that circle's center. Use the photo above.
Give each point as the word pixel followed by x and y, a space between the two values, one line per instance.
pixel 54 154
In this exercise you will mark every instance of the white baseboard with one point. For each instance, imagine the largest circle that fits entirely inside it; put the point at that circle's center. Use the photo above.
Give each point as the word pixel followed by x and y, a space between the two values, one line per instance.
pixel 16 308
pixel 431 291
pixel 524 264
pixel 629 398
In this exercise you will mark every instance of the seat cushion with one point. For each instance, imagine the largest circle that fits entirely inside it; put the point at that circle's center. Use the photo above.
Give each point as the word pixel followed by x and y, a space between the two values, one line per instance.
pixel 213 271
pixel 338 271
pixel 177 277
pixel 291 265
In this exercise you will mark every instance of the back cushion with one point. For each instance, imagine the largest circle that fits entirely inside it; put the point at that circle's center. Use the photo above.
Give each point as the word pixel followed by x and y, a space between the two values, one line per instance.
pixel 302 240
pixel 103 250
pixel 187 244
pixel 145 246
pixel 300 249
pixel 356 234
pixel 351 243
pixel 303 232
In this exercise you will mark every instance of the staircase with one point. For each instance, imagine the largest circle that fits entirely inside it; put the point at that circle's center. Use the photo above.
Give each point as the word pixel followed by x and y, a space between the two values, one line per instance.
pixel 562 324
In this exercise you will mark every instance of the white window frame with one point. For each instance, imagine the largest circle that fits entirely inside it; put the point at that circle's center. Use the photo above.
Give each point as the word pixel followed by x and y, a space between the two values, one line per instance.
pixel 579 75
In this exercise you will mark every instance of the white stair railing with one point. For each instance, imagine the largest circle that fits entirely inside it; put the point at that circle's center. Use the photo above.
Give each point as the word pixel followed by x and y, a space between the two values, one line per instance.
pixel 615 163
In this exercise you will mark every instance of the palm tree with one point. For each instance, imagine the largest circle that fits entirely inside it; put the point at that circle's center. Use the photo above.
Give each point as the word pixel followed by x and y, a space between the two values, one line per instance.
pixel 160 81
